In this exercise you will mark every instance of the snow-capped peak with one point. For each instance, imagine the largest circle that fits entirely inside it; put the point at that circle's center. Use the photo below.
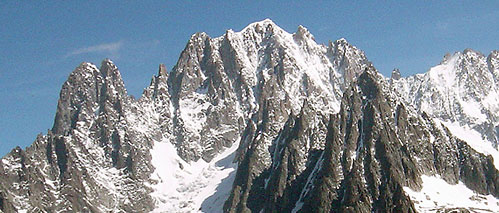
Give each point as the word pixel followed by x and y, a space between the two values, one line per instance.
pixel 341 41
pixel 303 33
pixel 108 61
pixel 472 53
pixel 462 91
pixel 85 69
pixel 262 26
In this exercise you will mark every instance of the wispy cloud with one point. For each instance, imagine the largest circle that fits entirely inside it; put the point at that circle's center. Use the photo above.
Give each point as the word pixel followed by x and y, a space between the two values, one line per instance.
pixel 464 22
pixel 442 26
pixel 110 48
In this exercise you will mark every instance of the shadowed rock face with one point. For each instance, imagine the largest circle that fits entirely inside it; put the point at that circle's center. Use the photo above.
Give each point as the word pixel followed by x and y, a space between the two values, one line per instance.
pixel 374 148
pixel 319 130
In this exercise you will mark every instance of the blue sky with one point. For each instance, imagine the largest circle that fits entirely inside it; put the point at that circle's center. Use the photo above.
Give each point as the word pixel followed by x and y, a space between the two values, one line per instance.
pixel 41 43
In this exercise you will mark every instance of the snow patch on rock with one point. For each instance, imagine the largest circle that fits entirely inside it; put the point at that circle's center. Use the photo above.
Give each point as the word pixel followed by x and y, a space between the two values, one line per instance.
pixel 474 139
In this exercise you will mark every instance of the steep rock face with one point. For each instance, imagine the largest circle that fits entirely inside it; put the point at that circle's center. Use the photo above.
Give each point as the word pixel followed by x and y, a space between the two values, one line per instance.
pixel 462 91
pixel 382 147
pixel 152 114
pixel 222 86
pixel 91 161
pixel 373 151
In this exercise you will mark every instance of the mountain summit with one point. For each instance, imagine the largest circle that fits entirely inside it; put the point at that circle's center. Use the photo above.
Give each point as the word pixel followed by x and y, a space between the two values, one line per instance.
pixel 263 120
pixel 462 93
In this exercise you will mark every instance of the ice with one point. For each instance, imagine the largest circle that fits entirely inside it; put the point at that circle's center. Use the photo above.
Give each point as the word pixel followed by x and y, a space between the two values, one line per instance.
pixel 191 187
pixel 193 111
pixel 444 74
pixel 437 194
pixel 491 101
pixel 473 110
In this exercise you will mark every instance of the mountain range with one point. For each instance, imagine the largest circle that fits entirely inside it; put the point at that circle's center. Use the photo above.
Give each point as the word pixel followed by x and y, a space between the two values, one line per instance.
pixel 263 120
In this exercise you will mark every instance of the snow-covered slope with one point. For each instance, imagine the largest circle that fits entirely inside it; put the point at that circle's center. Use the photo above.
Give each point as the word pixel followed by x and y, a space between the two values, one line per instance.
pixel 188 187
pixel 437 195
pixel 462 92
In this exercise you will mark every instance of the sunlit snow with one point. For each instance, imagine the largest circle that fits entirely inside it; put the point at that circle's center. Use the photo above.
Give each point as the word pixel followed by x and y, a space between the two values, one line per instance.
pixel 191 187
pixel 437 194
pixel 474 139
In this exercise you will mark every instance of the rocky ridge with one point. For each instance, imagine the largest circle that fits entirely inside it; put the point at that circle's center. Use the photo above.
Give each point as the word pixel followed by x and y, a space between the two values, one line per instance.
pixel 462 90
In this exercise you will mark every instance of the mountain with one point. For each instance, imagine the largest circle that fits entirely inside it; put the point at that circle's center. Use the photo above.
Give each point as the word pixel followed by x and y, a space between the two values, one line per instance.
pixel 261 120
pixel 461 93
